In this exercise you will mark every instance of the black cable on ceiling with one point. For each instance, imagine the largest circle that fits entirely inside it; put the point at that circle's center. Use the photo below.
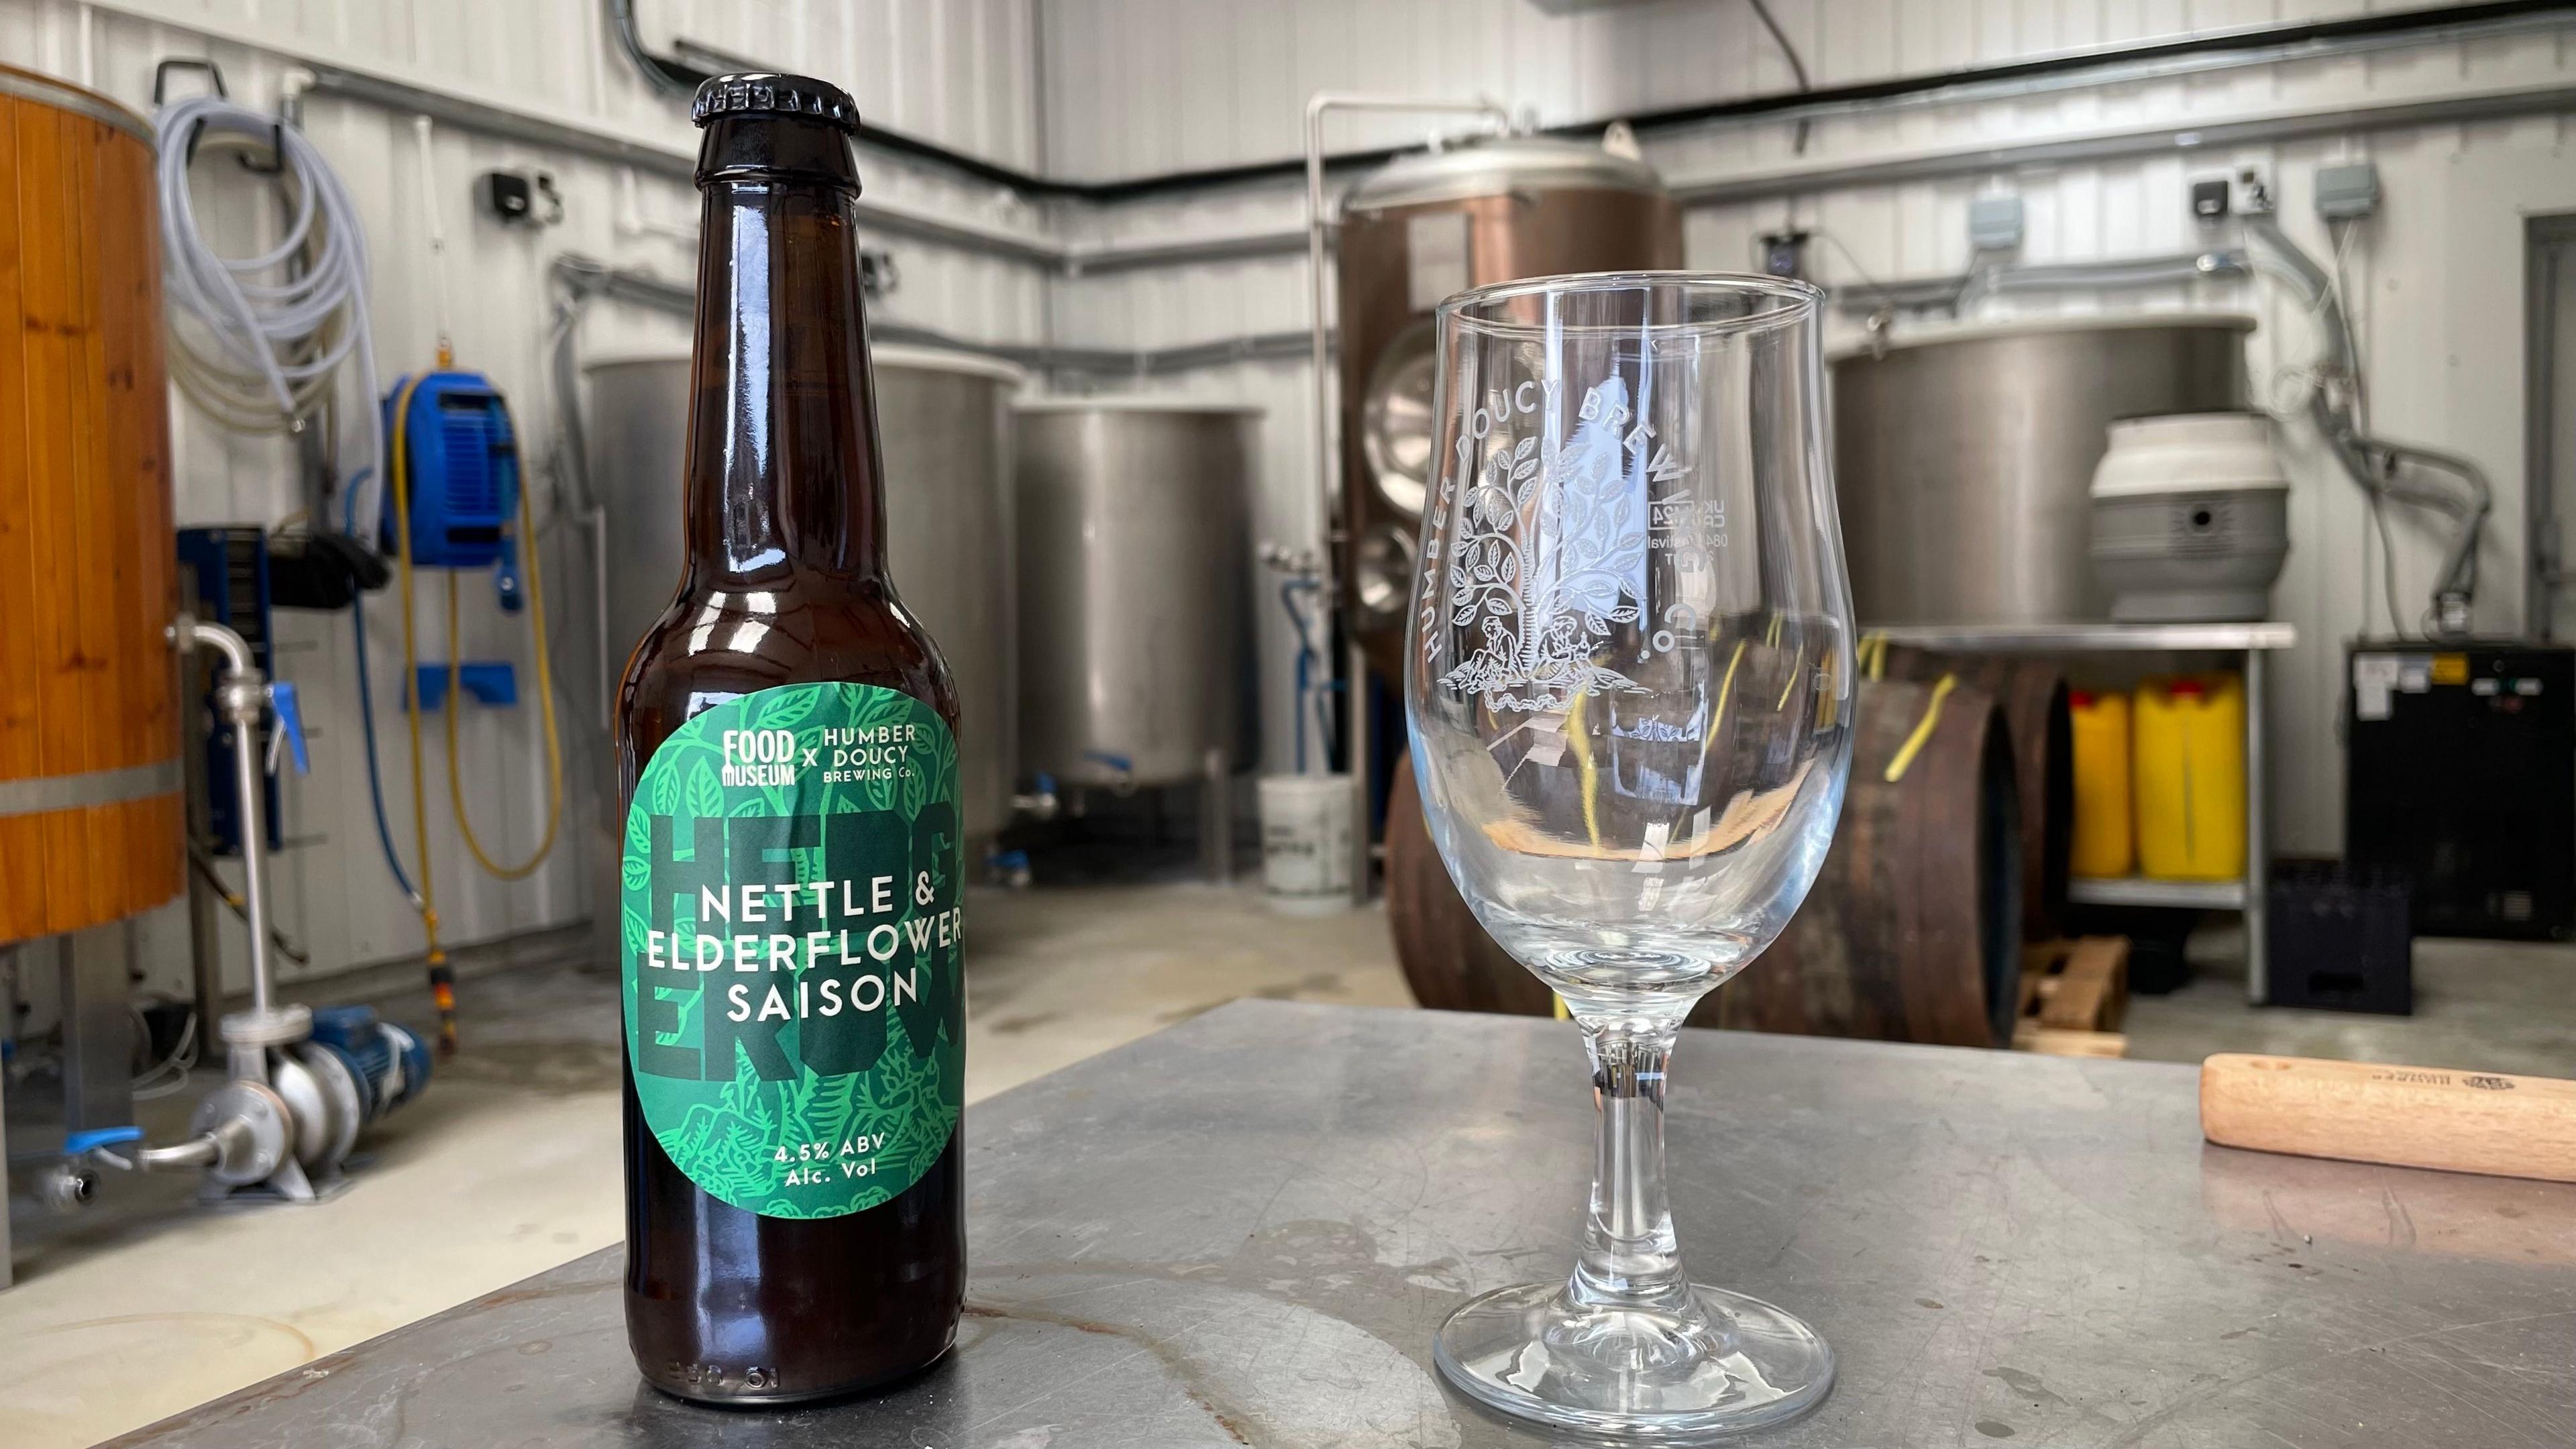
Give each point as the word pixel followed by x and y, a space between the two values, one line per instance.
pixel 1797 63
pixel 676 77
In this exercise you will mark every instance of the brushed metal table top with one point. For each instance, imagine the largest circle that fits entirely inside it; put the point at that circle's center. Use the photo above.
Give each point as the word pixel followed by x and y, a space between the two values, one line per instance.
pixel 1243 1230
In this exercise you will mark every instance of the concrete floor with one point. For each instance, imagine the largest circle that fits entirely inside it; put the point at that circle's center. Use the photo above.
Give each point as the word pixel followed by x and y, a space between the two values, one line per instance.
pixel 2497 1006
pixel 147 1305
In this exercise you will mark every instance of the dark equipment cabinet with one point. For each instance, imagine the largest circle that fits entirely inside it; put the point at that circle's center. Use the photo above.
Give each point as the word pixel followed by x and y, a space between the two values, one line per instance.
pixel 2460 775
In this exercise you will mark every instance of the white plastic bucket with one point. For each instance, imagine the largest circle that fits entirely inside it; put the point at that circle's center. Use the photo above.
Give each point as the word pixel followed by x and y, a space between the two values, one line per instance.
pixel 1306 842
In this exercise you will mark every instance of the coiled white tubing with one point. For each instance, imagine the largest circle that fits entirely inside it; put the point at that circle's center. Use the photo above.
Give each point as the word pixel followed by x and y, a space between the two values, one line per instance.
pixel 266 343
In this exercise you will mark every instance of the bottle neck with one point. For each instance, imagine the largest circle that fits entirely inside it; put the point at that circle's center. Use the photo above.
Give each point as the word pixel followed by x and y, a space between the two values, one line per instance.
pixel 783 462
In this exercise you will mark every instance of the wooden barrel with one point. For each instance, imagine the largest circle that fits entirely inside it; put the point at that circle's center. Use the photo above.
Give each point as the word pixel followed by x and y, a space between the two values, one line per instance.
pixel 1913 929
pixel 1912 932
pixel 2032 693
pixel 1448 960
pixel 91 813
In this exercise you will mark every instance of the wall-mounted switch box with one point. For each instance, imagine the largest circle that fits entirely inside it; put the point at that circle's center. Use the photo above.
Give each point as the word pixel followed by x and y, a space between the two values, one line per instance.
pixel 1784 253
pixel 2347 191
pixel 2209 199
pixel 1994 223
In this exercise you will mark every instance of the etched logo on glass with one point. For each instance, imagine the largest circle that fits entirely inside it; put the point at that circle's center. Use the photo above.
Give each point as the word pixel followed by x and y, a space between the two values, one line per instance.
pixel 1552 551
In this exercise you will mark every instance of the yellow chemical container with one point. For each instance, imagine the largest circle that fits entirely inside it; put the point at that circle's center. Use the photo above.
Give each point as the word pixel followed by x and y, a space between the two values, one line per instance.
pixel 2105 843
pixel 2188 741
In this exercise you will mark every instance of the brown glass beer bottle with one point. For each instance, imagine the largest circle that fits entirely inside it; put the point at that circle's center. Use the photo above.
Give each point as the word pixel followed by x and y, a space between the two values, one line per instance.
pixel 790 913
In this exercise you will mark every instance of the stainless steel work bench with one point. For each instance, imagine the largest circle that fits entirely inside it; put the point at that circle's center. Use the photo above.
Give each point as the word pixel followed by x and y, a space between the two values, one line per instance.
pixel 1242 1231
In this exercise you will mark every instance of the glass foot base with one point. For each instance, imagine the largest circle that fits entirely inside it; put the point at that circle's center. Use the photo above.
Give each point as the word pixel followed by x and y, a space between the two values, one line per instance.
pixel 1721 1365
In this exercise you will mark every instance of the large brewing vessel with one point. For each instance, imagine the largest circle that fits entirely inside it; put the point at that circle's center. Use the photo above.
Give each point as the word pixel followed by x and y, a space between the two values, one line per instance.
pixel 1964 458
pixel 1134 576
pixel 92 817
pixel 944 424
pixel 1414 232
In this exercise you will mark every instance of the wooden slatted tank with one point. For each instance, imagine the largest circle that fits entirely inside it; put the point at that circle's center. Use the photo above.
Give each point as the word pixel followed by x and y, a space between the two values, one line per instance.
pixel 91 811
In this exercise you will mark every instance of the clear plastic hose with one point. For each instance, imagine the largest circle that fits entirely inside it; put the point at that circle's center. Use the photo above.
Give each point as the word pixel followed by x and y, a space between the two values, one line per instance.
pixel 259 338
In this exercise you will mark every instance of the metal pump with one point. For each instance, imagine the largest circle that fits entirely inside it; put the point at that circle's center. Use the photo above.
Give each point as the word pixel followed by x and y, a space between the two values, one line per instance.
pixel 302 1083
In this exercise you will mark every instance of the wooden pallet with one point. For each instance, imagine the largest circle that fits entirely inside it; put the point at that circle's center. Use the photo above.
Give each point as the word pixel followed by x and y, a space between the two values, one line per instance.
pixel 2073 994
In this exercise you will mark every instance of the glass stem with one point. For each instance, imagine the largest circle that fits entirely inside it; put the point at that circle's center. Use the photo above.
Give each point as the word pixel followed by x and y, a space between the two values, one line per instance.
pixel 1630 1257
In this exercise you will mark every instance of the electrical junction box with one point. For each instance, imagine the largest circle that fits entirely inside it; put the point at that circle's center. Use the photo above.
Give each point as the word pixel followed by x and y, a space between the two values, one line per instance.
pixel 1784 254
pixel 513 197
pixel 1994 223
pixel 510 195
pixel 2348 191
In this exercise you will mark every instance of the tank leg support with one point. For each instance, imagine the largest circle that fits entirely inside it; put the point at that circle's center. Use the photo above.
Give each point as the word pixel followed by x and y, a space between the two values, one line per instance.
pixel 2258 842
pixel 1216 819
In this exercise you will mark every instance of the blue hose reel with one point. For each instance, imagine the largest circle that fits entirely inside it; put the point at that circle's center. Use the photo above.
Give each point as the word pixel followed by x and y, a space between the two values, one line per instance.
pixel 461 469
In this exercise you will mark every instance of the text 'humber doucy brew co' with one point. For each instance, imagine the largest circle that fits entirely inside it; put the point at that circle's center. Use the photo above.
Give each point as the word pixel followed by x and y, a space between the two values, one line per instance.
pixel 792 937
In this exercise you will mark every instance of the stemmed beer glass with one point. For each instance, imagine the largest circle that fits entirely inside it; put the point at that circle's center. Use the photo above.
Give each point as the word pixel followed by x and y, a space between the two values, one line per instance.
pixel 1629 682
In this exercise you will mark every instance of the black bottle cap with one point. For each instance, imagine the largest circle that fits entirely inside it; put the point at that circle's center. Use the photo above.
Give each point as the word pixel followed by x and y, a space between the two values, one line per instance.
pixel 761 93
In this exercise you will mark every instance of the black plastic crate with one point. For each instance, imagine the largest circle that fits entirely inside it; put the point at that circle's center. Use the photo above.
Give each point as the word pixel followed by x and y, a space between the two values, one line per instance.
pixel 2342 940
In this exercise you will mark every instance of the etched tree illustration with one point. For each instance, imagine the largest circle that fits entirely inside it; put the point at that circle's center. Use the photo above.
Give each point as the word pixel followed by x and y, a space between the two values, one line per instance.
pixel 1550 558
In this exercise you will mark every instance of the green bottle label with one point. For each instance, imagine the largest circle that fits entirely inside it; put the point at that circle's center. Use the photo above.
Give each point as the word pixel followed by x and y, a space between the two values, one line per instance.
pixel 793 944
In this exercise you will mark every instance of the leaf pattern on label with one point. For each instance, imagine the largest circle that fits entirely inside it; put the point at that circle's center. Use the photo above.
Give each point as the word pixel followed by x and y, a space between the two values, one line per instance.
pixel 808 1143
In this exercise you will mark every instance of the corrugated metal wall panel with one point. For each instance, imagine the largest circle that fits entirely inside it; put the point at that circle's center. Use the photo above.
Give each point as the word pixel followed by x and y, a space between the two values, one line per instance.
pixel 1137 86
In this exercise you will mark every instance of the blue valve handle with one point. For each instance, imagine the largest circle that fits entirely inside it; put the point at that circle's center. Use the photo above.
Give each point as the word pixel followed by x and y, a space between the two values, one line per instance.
pixel 290 728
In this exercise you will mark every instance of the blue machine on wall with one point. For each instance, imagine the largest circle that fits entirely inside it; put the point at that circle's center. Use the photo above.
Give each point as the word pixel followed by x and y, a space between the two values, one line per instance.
pixel 463 478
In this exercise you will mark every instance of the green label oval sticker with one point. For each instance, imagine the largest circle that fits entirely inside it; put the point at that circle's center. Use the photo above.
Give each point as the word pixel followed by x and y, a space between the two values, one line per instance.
pixel 793 944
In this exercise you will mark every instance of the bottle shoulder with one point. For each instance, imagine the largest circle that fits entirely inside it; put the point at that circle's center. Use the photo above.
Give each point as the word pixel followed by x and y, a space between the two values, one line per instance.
pixel 713 645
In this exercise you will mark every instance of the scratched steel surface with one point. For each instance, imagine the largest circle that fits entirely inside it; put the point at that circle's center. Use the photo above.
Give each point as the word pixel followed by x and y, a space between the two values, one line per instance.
pixel 1244 1229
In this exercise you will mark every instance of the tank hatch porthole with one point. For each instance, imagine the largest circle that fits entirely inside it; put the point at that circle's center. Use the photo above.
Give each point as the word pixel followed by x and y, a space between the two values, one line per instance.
pixel 1396 424
pixel 1385 572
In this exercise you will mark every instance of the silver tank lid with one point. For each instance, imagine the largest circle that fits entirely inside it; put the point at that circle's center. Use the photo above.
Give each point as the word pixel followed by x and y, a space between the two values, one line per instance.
pixel 1491 165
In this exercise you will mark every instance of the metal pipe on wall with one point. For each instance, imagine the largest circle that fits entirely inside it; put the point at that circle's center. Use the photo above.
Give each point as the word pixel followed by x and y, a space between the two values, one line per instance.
pixel 241 699
pixel 1931 293
pixel 585 278
pixel 2375 463
pixel 2216 139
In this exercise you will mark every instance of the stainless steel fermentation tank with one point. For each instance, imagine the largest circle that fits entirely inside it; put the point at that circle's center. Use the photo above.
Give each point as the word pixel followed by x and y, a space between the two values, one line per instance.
pixel 1414 232
pixel 1963 458
pixel 1134 584
pixel 944 428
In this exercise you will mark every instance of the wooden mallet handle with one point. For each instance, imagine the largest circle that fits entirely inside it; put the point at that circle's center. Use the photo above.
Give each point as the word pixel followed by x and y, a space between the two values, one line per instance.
pixel 2408 1116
